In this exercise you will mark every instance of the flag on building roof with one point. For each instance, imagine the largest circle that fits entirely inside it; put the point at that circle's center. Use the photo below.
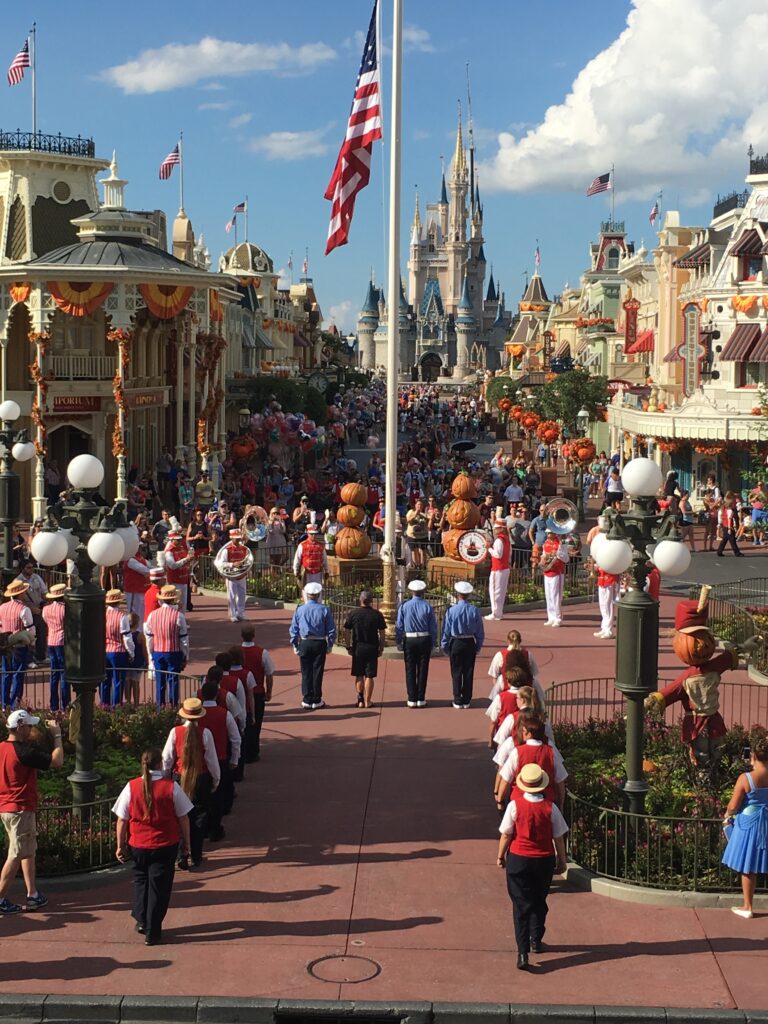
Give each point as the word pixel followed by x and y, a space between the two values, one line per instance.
pixel 601 184
pixel 19 62
pixel 654 213
pixel 240 208
pixel 290 262
pixel 230 224
pixel 353 164
pixel 166 167
pixel 305 266
pixel 537 258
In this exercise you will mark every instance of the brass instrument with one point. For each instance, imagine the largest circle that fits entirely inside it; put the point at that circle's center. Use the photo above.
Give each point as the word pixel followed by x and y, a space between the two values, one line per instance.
pixel 234 570
pixel 563 516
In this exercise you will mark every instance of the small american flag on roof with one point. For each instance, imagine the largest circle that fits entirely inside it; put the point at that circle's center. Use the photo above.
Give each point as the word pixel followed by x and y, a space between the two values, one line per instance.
pixel 166 167
pixel 601 184
pixel 19 62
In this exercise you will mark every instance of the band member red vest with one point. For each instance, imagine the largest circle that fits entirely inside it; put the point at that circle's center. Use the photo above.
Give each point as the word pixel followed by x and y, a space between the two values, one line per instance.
pixel 151 599
pixel 500 564
pixel 508 701
pixel 178 550
pixel 549 555
pixel 254 663
pixel 216 721
pixel 312 556
pixel 236 552
pixel 606 579
pixel 519 650
pixel 114 634
pixel 159 828
pixel 10 616
pixel 135 582
pixel 228 684
pixel 533 828
pixel 17 782
pixel 544 756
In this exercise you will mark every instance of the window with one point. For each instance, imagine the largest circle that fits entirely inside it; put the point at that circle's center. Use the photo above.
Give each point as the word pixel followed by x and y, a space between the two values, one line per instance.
pixel 612 258
pixel 751 267
pixel 752 374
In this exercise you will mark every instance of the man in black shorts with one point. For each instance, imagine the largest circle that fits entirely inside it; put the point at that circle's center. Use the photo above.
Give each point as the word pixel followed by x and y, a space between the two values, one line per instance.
pixel 364 637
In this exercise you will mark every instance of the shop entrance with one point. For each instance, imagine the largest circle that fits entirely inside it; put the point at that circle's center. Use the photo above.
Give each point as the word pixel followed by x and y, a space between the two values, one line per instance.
pixel 65 442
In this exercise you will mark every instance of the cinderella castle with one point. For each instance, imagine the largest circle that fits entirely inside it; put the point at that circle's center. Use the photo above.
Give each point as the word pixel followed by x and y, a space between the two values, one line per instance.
pixel 446 326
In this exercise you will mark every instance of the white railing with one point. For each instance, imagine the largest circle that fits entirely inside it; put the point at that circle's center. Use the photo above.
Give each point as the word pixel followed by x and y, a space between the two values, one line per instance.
pixel 84 367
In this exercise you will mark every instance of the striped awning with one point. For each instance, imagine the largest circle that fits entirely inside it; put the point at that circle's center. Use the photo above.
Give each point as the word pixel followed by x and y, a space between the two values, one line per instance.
pixel 697 257
pixel 644 342
pixel 263 340
pixel 673 356
pixel 740 343
pixel 750 244
pixel 759 353
pixel 299 340
pixel 563 349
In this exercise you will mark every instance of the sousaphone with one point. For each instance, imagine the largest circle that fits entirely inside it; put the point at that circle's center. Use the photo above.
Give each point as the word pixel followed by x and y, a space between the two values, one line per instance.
pixel 563 516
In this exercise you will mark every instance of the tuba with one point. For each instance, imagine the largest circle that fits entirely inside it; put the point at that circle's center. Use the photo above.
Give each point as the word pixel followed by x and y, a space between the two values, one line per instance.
pixel 563 516
pixel 235 570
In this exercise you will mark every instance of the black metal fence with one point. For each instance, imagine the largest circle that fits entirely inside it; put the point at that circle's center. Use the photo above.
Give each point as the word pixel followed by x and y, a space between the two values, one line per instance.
pixel 37 688
pixel 41 143
pixel 71 841
pixel 738 611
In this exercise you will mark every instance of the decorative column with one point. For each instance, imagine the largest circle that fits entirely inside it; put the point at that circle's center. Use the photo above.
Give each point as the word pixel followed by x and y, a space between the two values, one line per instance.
pixel 191 416
pixel 181 451
pixel 40 340
pixel 121 338
pixel 3 358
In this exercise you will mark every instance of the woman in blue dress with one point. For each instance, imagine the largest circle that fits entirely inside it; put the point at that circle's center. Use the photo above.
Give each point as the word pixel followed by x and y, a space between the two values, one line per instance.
pixel 747 816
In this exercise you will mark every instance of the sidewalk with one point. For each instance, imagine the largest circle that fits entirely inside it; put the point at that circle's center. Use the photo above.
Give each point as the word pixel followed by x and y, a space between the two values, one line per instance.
pixel 370 835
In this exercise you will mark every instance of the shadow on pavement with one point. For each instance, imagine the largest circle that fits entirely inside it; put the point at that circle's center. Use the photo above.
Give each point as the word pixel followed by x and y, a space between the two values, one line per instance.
pixel 74 967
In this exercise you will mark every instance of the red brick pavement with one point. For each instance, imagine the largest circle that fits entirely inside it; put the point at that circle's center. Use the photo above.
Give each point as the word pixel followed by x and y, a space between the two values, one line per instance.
pixel 369 833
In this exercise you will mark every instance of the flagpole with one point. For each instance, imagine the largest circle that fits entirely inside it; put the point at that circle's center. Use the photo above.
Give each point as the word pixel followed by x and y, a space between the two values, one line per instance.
pixel 389 604
pixel 181 170
pixel 613 192
pixel 246 218
pixel 380 49
pixel 661 195
pixel 33 62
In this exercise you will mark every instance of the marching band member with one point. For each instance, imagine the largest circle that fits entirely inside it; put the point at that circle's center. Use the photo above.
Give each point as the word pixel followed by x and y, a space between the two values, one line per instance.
pixel 178 565
pixel 152 596
pixel 499 664
pixel 119 648
pixel 554 558
pixel 232 554
pixel 608 585
pixel 310 563
pixel 15 617
pixel 53 617
pixel 168 644
pixel 136 583
pixel 499 554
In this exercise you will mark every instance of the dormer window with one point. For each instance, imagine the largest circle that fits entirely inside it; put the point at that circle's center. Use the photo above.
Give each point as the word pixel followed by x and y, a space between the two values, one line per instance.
pixel 612 258
pixel 750 267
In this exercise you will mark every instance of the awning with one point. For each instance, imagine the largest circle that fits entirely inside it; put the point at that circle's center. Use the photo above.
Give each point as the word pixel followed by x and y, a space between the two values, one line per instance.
pixel 583 345
pixel 300 341
pixel 750 244
pixel 263 341
pixel 759 353
pixel 563 349
pixel 673 356
pixel 644 342
pixel 698 257
pixel 740 343
pixel 249 339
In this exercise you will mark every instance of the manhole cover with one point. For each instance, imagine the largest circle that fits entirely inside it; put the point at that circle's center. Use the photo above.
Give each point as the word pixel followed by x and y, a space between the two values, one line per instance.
pixel 340 968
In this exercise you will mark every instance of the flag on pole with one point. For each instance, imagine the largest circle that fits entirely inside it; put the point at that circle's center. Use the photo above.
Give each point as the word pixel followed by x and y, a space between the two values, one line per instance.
pixel 19 62
pixel 166 167
pixel 654 213
pixel 305 266
pixel 353 164
pixel 290 262
pixel 537 258
pixel 230 224
pixel 602 183
pixel 240 208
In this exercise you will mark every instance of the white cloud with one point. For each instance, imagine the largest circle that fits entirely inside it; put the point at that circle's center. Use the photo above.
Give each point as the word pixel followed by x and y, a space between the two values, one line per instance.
pixel 417 39
pixel 240 120
pixel 676 99
pixel 214 106
pixel 283 278
pixel 341 315
pixel 420 134
pixel 176 65
pixel 291 145
pixel 212 87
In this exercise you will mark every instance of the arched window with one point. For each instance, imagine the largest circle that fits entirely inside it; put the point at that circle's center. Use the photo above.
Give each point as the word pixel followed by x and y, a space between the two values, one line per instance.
pixel 612 258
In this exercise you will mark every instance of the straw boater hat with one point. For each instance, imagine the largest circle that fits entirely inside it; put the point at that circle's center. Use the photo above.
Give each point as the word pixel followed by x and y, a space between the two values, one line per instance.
pixel 57 591
pixel 531 778
pixel 16 589
pixel 192 709
pixel 169 593
pixel 113 597
pixel 312 528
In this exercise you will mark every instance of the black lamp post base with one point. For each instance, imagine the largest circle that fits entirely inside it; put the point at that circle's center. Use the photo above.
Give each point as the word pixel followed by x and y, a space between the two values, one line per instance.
pixel 634 795
pixel 83 786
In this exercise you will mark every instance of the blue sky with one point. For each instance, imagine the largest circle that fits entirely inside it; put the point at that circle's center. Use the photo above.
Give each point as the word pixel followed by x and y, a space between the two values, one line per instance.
pixel 561 90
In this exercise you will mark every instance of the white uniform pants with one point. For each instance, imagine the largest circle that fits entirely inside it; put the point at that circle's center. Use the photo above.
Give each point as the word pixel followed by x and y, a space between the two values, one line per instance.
pixel 497 591
pixel 607 598
pixel 135 603
pixel 183 589
pixel 236 598
pixel 553 592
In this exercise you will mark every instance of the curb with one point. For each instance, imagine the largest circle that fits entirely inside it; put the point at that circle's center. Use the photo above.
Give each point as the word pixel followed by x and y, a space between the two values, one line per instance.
pixel 33 1009
pixel 584 880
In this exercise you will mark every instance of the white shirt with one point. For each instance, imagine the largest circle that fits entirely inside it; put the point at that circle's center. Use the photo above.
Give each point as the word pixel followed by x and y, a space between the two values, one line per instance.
pixel 507 827
pixel 266 661
pixel 496 667
pixel 508 770
pixel 209 754
pixel 514 493
pixel 181 803
pixel 497 548
pixel 140 567
pixel 235 709
pixel 233 733
pixel 37 587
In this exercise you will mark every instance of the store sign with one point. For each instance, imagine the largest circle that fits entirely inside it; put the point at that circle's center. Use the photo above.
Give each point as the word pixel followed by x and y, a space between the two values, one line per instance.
pixel 630 307
pixel 74 404
pixel 147 399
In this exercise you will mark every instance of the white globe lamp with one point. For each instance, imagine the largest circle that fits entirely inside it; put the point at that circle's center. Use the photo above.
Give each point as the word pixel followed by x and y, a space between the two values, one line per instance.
pixel 85 472
pixel 9 410
pixel 641 478
pixel 23 451
pixel 49 547
pixel 614 556
pixel 105 548
pixel 130 538
pixel 671 557
pixel 596 543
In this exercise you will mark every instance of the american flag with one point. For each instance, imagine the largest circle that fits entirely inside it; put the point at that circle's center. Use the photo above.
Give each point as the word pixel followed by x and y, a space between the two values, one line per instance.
pixel 305 265
pixel 537 258
pixel 229 225
pixel 19 62
pixel 240 208
pixel 353 164
pixel 290 262
pixel 169 163
pixel 601 184
pixel 654 214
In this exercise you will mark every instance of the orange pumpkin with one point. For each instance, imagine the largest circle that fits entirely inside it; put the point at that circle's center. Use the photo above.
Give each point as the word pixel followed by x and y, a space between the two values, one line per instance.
pixel 463 515
pixel 505 404
pixel 243 447
pixel 451 540
pixel 350 515
pixel 583 450
pixel 354 494
pixel 352 543
pixel 548 431
pixel 530 421
pixel 694 648
pixel 517 412
pixel 463 487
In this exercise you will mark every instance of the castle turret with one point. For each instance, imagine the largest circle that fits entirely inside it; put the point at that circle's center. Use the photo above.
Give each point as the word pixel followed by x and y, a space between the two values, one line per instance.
pixel 442 206
pixel 465 328
pixel 366 328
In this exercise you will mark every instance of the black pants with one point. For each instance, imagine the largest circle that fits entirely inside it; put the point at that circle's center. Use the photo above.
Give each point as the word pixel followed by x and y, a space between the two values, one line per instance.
pixel 528 882
pixel 312 660
pixel 729 537
pixel 153 872
pixel 417 651
pixel 252 734
pixel 463 653
pixel 200 815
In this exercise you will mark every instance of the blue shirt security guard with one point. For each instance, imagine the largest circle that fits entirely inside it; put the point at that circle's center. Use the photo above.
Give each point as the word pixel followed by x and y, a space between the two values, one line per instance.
pixel 462 639
pixel 416 635
pixel 312 634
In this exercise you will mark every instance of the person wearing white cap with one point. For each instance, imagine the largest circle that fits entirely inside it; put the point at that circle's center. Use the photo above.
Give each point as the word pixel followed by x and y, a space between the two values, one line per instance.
pixel 233 553
pixel 462 639
pixel 499 554
pixel 310 563
pixel 554 558
pixel 20 761
pixel 178 561
pixel 312 634
pixel 416 636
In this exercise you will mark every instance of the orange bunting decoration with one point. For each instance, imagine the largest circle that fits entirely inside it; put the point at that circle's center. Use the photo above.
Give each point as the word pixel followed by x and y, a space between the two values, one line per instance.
pixel 217 309
pixel 20 291
pixel 79 298
pixel 165 300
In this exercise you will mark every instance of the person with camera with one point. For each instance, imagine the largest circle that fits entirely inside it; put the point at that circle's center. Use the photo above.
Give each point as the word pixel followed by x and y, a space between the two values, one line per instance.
pixel 20 761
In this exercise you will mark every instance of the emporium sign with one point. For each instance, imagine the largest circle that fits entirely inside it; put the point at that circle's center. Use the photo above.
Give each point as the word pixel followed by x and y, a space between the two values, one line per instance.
pixel 76 404
pixel 146 399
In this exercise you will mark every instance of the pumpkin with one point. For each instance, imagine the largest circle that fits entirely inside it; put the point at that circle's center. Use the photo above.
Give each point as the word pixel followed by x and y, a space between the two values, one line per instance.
pixel 530 421
pixel 350 515
pixel 451 540
pixel 649 766
pixel 517 412
pixel 463 487
pixel 243 447
pixel 694 648
pixel 352 543
pixel 354 494
pixel 463 515
pixel 548 431
pixel 505 404
pixel 583 450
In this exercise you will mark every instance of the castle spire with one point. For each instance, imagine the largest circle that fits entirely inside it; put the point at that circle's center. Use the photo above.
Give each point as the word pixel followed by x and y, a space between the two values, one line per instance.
pixel 459 156
pixel 416 213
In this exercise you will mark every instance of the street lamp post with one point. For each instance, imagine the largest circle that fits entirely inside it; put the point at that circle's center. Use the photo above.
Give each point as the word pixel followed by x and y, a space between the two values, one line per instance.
pixel 91 536
pixel 624 547
pixel 14 447
pixel 582 422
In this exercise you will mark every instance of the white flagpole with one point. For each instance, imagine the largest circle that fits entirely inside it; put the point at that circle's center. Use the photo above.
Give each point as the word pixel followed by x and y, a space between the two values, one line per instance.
pixel 389 608
pixel 33 62
pixel 181 170
pixel 246 218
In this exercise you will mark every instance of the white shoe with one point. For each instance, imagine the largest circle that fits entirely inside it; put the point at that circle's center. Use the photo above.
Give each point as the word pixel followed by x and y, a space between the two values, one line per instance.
pixel 421 703
pixel 459 707
pixel 599 634
pixel 411 704
pixel 305 705
pixel 739 912
pixel 548 622
pixel 555 623
pixel 315 707
pixel 489 618
pixel 608 636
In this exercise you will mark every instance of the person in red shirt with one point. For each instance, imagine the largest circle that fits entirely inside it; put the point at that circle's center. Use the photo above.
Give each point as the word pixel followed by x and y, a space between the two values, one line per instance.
pixel 554 558
pixel 20 761
pixel 608 585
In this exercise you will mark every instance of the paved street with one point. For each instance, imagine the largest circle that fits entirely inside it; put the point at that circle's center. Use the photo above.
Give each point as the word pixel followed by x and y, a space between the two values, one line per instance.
pixel 370 834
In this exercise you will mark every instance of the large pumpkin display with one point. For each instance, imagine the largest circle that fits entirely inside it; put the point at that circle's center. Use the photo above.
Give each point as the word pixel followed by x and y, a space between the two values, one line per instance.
pixel 352 543
pixel 464 486
pixel 530 421
pixel 243 447
pixel 451 540
pixel 694 648
pixel 517 412
pixel 354 494
pixel 463 515
pixel 583 450
pixel 548 431
pixel 350 515
pixel 505 404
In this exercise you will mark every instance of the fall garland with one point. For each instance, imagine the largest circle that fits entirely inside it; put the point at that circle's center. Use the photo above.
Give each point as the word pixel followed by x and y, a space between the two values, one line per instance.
pixel 121 338
pixel 40 339
pixel 213 348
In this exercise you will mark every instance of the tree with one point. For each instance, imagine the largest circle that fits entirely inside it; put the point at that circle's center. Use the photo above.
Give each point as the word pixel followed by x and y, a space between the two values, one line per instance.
pixel 293 396
pixel 498 388
pixel 562 398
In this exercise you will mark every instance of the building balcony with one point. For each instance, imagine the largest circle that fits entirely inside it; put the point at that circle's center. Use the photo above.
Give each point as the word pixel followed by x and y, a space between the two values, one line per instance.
pixel 83 367
pixel 39 143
